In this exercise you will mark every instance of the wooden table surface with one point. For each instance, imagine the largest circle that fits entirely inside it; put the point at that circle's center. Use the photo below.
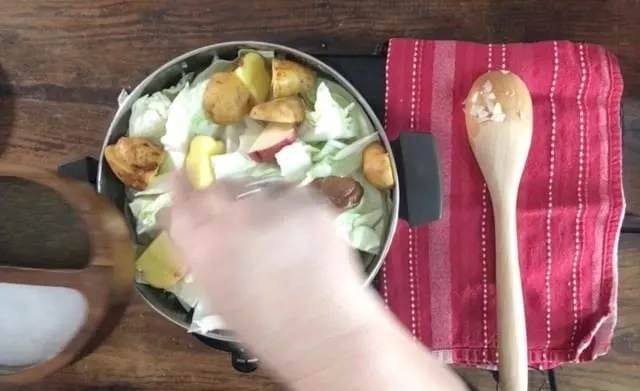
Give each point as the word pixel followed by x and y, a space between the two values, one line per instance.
pixel 63 62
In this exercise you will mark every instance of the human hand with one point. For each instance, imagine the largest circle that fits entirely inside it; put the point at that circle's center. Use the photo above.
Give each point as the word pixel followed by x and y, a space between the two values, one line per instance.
pixel 272 265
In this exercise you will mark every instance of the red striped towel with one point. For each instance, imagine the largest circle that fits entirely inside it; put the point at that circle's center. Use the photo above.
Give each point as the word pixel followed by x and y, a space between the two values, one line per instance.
pixel 440 279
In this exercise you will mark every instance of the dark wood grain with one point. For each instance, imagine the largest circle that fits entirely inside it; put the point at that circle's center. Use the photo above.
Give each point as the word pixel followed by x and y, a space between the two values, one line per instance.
pixel 631 157
pixel 620 370
pixel 50 47
pixel 49 133
pixel 62 64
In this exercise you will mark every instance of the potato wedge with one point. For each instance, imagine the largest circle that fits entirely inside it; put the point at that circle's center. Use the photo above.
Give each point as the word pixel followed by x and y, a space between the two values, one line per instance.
pixel 198 161
pixel 376 166
pixel 290 78
pixel 134 160
pixel 160 264
pixel 226 99
pixel 289 110
pixel 252 70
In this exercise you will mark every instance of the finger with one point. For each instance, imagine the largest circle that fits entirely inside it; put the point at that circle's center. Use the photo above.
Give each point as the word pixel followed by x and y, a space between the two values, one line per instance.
pixel 183 216
pixel 207 241
pixel 192 209
pixel 289 199
pixel 229 190
pixel 202 248
pixel 180 186
pixel 164 217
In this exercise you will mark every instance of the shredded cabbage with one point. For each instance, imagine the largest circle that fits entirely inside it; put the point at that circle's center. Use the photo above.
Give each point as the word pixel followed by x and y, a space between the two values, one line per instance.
pixel 329 120
pixel 202 322
pixel 145 210
pixel 150 112
pixel 186 292
pixel 234 165
pixel 149 116
pixel 294 161
pixel 363 226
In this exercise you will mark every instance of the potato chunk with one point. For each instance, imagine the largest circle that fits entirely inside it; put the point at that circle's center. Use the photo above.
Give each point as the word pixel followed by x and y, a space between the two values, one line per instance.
pixel 290 78
pixel 226 99
pixel 376 166
pixel 252 70
pixel 134 160
pixel 289 110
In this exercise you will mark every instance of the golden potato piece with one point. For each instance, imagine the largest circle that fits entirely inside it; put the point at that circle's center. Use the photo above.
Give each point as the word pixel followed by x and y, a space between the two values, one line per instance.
pixel 160 264
pixel 198 162
pixel 289 110
pixel 376 166
pixel 134 160
pixel 253 72
pixel 290 78
pixel 226 99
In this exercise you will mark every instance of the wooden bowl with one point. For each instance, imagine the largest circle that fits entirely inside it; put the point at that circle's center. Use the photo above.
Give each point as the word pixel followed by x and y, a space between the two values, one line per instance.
pixel 56 232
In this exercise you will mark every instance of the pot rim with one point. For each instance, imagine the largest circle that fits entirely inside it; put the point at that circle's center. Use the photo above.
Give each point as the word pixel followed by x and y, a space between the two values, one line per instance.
pixel 213 49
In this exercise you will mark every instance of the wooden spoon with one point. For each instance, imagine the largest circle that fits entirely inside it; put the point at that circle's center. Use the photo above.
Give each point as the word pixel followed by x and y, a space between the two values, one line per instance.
pixel 499 119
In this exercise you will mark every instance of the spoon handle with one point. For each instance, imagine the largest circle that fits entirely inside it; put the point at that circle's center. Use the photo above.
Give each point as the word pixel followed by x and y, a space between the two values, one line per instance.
pixel 512 338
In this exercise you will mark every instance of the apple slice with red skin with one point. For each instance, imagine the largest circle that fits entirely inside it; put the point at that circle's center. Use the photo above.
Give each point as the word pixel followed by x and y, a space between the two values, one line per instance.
pixel 271 140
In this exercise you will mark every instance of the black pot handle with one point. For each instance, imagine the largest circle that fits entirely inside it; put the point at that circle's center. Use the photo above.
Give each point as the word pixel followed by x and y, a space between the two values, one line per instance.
pixel 242 362
pixel 420 181
pixel 83 170
pixel 419 177
pixel 240 359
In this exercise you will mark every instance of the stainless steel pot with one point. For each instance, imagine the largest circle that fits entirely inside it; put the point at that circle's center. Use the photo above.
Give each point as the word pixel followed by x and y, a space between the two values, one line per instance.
pixel 195 61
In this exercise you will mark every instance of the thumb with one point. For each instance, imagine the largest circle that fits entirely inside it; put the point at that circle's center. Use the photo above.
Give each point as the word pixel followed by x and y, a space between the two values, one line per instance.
pixel 180 187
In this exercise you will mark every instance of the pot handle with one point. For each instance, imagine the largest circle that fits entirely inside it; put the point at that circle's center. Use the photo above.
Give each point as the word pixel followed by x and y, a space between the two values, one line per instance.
pixel 241 361
pixel 83 170
pixel 419 177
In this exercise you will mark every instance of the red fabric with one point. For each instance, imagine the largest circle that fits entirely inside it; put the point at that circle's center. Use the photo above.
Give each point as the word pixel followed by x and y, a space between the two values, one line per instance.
pixel 440 279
